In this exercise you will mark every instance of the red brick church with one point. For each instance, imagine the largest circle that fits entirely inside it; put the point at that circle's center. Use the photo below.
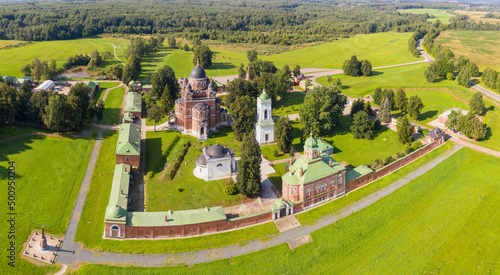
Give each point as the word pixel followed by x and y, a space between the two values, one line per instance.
pixel 198 111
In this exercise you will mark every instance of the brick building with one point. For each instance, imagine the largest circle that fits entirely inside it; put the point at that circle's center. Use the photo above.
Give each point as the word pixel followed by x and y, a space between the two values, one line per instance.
pixel 133 104
pixel 313 177
pixel 198 111
pixel 128 148
pixel 436 135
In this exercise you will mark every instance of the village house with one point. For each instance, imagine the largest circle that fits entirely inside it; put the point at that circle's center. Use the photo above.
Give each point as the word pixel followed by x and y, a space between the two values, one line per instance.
pixel 443 118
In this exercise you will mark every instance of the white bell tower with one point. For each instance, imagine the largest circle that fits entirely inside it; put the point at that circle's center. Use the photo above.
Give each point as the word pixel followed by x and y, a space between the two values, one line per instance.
pixel 264 127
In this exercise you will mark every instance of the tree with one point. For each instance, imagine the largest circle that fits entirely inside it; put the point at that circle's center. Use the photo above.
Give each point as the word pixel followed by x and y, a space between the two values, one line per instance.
pixel 107 55
pixel 203 55
pixel 296 70
pixel 450 76
pixel 471 127
pixel 54 112
pixel 334 81
pixel 415 107
pixel 134 62
pixel 171 42
pixel 356 106
pixel 127 74
pixel 243 113
pixel 241 71
pixel 165 86
pixel 431 73
pixel 405 130
pixel 240 87
pixel 389 94
pixel 252 55
pixel 384 113
pixel 155 114
pixel 26 69
pixel 362 126
pixel 283 133
pixel 115 71
pixel 463 77
pixel 346 67
pixel 249 178
pixel 366 68
pixel 321 111
pixel 378 95
pixel 81 92
pixel 100 109
pixel 401 101
pixel 476 103
pixel 453 118
pixel 353 66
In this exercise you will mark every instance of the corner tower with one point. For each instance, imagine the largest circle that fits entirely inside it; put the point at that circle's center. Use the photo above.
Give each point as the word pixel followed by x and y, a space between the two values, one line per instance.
pixel 264 127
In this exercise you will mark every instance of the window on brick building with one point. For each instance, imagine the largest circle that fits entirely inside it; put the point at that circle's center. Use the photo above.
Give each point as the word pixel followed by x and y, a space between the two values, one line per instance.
pixel 127 159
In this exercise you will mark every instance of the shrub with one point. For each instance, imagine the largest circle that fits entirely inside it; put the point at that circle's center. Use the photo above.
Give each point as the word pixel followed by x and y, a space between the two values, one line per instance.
pixel 179 189
pixel 388 160
pixel 408 150
pixel 400 155
pixel 450 76
pixel 276 153
pixel 377 124
pixel 416 145
pixel 376 164
pixel 229 187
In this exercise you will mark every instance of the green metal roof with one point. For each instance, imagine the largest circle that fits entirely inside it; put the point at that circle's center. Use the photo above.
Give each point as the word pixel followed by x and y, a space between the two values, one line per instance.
pixel 118 198
pixel 323 145
pixel 133 102
pixel 311 144
pixel 181 217
pixel 129 140
pixel 357 173
pixel 264 96
pixel 148 86
pixel 128 117
pixel 313 169
pixel 131 83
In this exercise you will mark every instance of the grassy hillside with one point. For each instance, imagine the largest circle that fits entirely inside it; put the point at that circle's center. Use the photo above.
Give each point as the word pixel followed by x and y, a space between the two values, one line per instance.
pixel 442 222
pixel 12 59
pixel 48 175
pixel 480 46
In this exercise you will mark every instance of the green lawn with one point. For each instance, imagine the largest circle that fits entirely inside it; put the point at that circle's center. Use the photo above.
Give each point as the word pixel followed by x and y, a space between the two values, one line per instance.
pixel 445 221
pixel 359 151
pixel 436 102
pixel 113 106
pixel 13 59
pixel 7 130
pixel 91 223
pixel 268 150
pixel 438 14
pixel 288 105
pixel 328 55
pixel 108 85
pixel 49 171
pixel 276 177
pixel 480 46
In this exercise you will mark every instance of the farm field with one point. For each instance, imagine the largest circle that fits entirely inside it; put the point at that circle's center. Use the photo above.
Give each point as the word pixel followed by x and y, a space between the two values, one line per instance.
pixel 91 223
pixel 401 233
pixel 371 46
pixel 49 171
pixel 480 47
pixel 479 16
pixel 362 151
pixel 12 59
pixel 113 106
pixel 439 14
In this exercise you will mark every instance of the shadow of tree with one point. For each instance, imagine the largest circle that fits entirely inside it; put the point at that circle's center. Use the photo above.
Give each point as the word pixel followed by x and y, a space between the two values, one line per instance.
pixel 427 115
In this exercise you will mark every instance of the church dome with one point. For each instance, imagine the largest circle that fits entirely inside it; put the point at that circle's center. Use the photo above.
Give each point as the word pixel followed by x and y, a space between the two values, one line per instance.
pixel 264 96
pixel 216 151
pixel 197 73
pixel 311 144
pixel 188 87
pixel 115 212
pixel 185 80
pixel 211 86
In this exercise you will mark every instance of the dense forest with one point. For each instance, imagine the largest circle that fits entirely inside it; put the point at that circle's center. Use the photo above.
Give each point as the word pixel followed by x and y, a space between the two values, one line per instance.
pixel 258 21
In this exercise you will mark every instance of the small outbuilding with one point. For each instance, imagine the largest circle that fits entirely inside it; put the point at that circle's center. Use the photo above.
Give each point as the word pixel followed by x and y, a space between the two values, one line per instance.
pixel 436 135
pixel 47 85
pixel 216 162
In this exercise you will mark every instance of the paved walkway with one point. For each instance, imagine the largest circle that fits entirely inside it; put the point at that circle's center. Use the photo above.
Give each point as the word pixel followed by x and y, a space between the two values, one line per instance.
pixel 72 253
pixel 68 244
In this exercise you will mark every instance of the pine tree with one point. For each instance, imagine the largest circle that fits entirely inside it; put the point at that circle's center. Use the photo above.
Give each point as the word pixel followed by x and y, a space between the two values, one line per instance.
pixel 366 68
pixel 243 115
pixel 385 111
pixel 415 107
pixel 405 130
pixel 401 100
pixel 356 106
pixel 249 178
pixel 378 96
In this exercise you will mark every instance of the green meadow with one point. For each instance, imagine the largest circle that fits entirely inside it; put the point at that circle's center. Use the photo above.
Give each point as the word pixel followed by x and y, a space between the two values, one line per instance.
pixel 438 14
pixel 48 171
pixel 12 59
pixel 442 222
pixel 113 106
pixel 328 55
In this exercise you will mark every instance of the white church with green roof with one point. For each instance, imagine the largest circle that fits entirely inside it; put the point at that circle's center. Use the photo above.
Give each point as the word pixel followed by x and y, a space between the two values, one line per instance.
pixel 264 127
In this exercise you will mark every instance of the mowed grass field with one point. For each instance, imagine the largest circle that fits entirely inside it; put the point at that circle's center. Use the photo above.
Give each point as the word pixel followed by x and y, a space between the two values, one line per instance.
pixel 113 106
pixel 445 221
pixel 481 47
pixel 91 226
pixel 439 14
pixel 12 59
pixel 328 55
pixel 49 171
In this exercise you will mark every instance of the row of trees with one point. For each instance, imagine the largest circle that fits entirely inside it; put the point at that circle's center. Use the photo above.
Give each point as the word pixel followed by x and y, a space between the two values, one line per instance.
pixel 353 67
pixel 58 112
pixel 253 21
pixel 491 78
pixel 389 101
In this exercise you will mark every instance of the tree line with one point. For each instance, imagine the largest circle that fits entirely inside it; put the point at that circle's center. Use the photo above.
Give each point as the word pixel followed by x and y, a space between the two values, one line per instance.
pixel 254 21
